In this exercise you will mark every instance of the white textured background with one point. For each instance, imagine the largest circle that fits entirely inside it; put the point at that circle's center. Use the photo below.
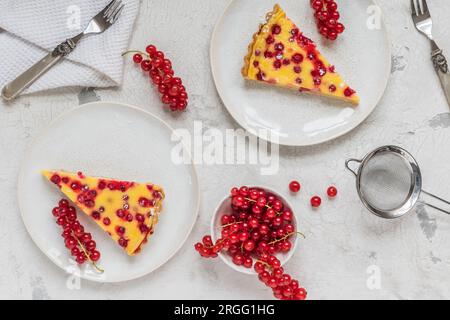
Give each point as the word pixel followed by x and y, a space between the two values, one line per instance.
pixel 343 240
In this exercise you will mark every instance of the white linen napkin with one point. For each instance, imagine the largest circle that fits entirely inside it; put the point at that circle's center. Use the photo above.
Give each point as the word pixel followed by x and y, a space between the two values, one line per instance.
pixel 32 28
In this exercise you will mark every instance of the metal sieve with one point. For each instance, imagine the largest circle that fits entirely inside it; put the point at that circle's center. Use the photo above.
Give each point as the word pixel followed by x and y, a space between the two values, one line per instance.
pixel 389 183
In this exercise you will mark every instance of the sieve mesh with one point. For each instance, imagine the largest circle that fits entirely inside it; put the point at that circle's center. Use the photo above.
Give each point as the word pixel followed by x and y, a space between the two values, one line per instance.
pixel 386 181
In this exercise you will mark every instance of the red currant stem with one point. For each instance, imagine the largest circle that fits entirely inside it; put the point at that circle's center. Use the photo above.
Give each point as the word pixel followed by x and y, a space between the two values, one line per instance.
pixel 217 242
pixel 267 206
pixel 136 51
pixel 265 263
pixel 287 236
pixel 100 270
pixel 230 224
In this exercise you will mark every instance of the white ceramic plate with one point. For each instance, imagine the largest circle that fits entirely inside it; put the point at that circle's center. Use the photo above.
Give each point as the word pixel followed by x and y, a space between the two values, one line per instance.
pixel 118 141
pixel 361 55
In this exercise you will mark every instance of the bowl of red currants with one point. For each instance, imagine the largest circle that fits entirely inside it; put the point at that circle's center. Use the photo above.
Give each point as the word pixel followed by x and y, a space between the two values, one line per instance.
pixel 254 224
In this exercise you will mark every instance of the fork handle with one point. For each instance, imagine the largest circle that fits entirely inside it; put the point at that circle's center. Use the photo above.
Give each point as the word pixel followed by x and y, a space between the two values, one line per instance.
pixel 15 87
pixel 441 67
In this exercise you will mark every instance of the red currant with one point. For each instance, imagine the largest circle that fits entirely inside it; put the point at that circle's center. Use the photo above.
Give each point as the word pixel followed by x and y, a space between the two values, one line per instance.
pixel 151 50
pixel 327 16
pixel 249 245
pixel 332 192
pixel 294 186
pixel 137 58
pixel 95 255
pixel 145 65
pixel 63 203
pixel 81 258
pixel 316 201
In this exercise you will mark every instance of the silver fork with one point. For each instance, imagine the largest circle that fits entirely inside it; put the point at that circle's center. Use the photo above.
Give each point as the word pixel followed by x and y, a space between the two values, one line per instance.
pixel 422 20
pixel 102 21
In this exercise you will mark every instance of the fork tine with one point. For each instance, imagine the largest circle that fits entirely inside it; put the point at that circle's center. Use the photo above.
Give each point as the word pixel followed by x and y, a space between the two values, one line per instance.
pixel 116 14
pixel 113 11
pixel 111 8
pixel 105 9
pixel 425 7
pixel 419 7
pixel 413 8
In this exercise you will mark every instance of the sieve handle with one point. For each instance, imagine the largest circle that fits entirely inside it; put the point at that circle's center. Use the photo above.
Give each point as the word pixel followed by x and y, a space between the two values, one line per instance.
pixel 435 202
pixel 347 165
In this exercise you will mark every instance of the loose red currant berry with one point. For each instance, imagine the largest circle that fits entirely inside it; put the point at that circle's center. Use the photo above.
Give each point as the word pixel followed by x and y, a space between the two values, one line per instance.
pixel 332 192
pixel 294 186
pixel 316 201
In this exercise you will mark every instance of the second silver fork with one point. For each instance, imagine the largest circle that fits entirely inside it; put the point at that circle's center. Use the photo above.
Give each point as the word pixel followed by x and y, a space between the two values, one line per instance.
pixel 423 23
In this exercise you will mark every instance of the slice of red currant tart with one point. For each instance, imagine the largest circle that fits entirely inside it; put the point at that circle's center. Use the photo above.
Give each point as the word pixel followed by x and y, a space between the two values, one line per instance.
pixel 127 211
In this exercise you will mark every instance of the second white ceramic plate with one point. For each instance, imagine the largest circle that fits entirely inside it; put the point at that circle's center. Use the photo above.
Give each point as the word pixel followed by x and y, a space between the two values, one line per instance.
pixel 117 141
pixel 361 55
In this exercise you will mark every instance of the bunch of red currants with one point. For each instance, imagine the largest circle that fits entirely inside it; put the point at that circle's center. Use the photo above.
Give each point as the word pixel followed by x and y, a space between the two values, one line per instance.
pixel 159 68
pixel 80 243
pixel 327 18
pixel 259 226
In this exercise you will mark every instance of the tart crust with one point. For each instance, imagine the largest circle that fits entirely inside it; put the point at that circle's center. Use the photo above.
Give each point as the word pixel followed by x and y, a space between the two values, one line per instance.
pixel 276 10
